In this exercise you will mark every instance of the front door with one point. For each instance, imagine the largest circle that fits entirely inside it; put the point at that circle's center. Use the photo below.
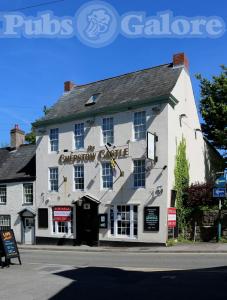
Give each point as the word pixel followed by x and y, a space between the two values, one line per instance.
pixel 29 230
pixel 87 223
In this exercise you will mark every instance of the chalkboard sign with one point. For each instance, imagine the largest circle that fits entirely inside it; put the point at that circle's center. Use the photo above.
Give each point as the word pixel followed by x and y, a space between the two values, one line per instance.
pixel 103 221
pixel 151 218
pixel 9 245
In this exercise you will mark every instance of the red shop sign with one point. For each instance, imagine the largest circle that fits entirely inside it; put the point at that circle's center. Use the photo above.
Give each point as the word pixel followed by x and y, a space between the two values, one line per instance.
pixel 172 217
pixel 62 213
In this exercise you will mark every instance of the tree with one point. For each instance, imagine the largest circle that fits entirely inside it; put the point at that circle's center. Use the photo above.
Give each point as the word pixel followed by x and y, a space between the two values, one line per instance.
pixel 181 173
pixel 199 194
pixel 213 108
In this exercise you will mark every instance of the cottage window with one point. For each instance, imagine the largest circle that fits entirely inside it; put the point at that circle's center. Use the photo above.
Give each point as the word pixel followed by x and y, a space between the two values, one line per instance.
pixel 5 222
pixel 3 194
pixel 108 130
pixel 79 177
pixel 107 175
pixel 28 193
pixel 53 179
pixel 139 173
pixel 79 136
pixel 54 139
pixel 140 125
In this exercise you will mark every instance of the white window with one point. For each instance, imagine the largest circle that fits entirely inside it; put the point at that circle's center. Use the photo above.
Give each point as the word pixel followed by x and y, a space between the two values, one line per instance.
pixel 140 125
pixel 79 136
pixel 62 220
pixel 139 173
pixel 3 194
pixel 79 177
pixel 53 179
pixel 54 139
pixel 107 176
pixel 108 130
pixel 124 220
pixel 5 222
pixel 28 193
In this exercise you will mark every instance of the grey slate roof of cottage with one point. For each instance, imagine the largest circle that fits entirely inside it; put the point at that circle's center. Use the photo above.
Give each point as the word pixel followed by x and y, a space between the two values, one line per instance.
pixel 17 165
pixel 128 89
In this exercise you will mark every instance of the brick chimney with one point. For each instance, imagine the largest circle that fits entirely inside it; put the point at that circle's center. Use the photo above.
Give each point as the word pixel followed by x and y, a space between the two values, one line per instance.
pixel 179 60
pixel 68 86
pixel 17 137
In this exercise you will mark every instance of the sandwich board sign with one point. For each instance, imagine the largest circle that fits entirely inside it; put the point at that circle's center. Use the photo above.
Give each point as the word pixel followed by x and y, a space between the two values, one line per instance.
pixel 8 245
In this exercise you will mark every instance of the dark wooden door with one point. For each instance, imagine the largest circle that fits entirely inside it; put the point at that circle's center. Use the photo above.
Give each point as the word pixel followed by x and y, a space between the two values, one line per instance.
pixel 87 228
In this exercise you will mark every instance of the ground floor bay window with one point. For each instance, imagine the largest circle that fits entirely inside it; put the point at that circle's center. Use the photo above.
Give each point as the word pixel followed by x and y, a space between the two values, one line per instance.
pixel 62 220
pixel 123 221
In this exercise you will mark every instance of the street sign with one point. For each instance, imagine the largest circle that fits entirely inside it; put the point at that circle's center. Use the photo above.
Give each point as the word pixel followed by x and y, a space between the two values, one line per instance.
pixel 172 217
pixel 219 192
pixel 220 182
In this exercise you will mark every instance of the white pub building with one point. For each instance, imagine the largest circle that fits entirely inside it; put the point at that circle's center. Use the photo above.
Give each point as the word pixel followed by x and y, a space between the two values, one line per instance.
pixel 94 181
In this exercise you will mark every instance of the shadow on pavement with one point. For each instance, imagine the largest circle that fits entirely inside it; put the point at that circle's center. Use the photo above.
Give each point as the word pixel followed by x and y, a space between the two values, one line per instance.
pixel 112 283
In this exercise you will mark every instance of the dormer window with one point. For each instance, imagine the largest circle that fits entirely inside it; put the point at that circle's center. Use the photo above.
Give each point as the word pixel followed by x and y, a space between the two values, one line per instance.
pixel 93 99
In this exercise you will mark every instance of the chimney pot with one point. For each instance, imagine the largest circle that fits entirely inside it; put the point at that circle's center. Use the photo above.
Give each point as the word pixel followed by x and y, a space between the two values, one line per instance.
pixel 17 137
pixel 179 60
pixel 68 86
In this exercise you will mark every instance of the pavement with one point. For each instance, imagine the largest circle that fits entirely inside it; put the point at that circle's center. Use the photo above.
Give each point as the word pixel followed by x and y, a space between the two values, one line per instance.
pixel 177 248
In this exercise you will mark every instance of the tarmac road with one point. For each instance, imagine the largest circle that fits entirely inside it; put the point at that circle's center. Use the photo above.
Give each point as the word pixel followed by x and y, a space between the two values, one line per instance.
pixel 115 275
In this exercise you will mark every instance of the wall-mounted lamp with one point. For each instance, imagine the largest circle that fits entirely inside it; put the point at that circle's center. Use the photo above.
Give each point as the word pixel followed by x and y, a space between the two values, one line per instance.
pixel 64 178
pixel 181 117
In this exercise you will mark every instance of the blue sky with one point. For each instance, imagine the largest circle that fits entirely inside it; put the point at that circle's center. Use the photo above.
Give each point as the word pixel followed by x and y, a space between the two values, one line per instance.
pixel 33 70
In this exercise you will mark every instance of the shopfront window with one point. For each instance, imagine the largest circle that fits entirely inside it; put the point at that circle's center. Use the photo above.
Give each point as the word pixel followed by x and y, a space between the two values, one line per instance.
pixel 62 220
pixel 123 220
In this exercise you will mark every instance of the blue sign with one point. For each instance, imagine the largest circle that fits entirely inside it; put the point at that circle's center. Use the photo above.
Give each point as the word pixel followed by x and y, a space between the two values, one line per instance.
pixel 219 192
pixel 220 182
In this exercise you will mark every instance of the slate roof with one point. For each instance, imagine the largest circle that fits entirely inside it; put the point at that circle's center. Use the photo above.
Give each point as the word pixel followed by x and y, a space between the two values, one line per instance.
pixel 17 165
pixel 128 89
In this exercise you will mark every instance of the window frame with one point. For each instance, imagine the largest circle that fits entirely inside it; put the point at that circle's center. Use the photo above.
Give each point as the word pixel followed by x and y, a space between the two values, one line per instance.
pixel 50 180
pixel 114 221
pixel 142 134
pixel 83 178
pixel 2 195
pixel 25 202
pixel 105 138
pixel 79 136
pixel 104 163
pixel 55 225
pixel 55 139
pixel 9 218
pixel 142 173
